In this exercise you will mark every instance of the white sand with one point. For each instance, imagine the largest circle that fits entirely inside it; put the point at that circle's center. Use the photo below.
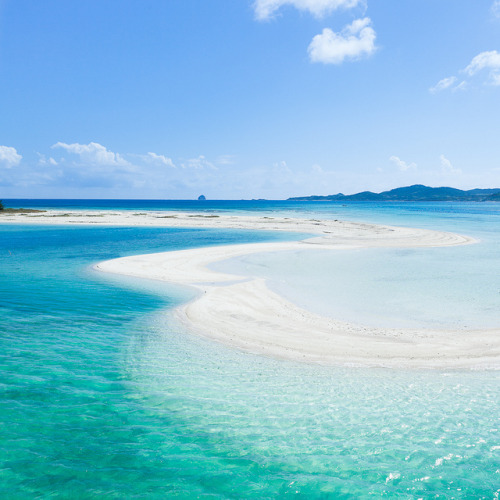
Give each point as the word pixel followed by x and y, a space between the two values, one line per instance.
pixel 339 232
pixel 242 312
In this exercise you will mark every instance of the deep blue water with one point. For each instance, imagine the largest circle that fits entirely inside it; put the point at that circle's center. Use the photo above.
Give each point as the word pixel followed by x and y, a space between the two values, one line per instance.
pixel 302 207
pixel 451 216
pixel 104 395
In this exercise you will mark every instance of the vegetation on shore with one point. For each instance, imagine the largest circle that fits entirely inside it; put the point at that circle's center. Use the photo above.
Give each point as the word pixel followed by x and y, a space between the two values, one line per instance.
pixel 4 210
pixel 416 192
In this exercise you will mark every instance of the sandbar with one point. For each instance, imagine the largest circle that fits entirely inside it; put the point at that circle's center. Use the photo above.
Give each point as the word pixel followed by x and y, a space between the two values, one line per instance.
pixel 243 313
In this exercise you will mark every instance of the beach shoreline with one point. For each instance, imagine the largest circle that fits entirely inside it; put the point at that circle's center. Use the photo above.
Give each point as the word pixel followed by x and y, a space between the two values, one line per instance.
pixel 243 313
pixel 338 231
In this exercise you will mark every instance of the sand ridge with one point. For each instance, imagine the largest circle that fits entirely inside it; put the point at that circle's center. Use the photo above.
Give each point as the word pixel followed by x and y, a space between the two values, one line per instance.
pixel 242 312
pixel 334 231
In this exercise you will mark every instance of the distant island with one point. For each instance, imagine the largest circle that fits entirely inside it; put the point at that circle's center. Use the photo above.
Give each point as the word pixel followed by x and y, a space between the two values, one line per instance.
pixel 417 192
pixel 10 211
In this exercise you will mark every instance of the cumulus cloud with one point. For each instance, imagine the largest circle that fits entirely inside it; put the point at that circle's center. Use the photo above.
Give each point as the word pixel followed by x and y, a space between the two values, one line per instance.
pixel 264 9
pixel 94 169
pixel 402 165
pixel 159 159
pixel 93 153
pixel 93 166
pixel 355 40
pixel 487 60
pixel 9 156
pixel 447 167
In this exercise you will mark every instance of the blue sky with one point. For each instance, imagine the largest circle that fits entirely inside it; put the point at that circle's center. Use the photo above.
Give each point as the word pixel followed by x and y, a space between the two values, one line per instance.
pixel 246 99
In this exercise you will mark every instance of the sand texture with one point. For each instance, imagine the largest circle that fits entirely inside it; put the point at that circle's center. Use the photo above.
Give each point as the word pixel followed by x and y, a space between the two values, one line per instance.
pixel 244 313
pixel 338 232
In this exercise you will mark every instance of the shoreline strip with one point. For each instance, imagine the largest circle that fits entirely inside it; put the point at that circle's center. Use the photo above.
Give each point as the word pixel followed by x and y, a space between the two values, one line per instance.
pixel 241 312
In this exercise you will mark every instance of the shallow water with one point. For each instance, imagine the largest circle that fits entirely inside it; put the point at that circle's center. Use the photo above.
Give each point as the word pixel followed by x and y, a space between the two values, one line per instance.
pixel 449 288
pixel 104 395
pixel 446 288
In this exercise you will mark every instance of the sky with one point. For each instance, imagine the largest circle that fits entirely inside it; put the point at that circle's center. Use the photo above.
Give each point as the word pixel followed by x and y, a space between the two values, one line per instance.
pixel 242 99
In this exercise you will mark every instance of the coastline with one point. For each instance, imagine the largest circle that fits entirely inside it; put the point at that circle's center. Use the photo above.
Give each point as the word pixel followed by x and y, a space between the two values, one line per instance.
pixel 241 312
pixel 337 232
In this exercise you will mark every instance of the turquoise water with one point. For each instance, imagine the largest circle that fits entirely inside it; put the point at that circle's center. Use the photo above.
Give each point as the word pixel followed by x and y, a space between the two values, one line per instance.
pixel 104 395
pixel 448 288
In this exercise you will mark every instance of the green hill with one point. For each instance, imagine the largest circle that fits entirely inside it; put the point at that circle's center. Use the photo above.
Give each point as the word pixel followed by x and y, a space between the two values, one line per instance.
pixel 417 192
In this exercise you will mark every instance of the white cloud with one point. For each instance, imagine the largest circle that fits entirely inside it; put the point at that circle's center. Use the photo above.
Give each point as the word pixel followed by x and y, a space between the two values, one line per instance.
pixel 448 84
pixel 199 163
pixel 402 165
pixel 355 40
pixel 161 159
pixel 9 156
pixel 42 160
pixel 488 59
pixel 445 83
pixel 264 9
pixel 447 167
pixel 495 8
pixel 93 153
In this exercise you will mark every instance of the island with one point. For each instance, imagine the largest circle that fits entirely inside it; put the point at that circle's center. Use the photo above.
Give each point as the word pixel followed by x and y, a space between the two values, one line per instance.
pixel 417 192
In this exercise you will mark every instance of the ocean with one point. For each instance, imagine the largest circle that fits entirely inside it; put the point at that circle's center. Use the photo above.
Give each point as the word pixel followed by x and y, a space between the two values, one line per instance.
pixel 105 395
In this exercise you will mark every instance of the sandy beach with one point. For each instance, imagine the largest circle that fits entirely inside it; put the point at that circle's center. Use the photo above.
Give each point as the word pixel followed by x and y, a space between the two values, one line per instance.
pixel 336 232
pixel 244 313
